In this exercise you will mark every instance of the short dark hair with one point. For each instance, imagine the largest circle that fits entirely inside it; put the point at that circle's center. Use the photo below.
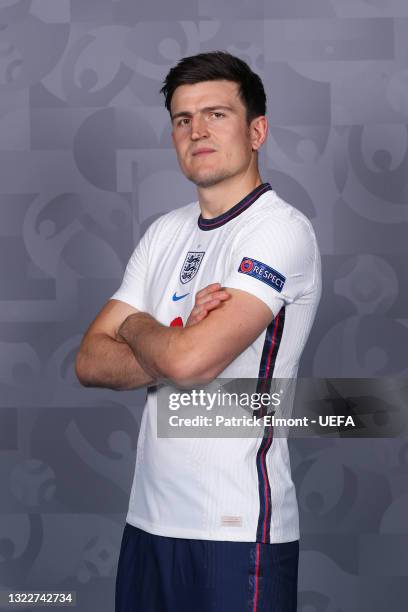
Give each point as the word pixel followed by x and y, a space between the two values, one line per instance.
pixel 215 66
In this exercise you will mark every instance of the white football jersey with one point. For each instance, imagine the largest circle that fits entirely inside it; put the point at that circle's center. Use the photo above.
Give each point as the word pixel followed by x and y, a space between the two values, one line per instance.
pixel 237 489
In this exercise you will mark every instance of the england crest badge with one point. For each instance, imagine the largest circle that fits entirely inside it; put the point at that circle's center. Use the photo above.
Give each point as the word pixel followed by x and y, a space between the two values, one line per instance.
pixel 191 265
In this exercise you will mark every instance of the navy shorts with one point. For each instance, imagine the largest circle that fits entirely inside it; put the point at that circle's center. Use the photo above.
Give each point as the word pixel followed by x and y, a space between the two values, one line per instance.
pixel 161 574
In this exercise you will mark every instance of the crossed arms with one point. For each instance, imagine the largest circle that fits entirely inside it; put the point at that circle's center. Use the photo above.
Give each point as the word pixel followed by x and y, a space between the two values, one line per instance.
pixel 125 349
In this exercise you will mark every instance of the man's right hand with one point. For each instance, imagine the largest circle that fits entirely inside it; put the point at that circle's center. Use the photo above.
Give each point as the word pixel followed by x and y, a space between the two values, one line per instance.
pixel 206 300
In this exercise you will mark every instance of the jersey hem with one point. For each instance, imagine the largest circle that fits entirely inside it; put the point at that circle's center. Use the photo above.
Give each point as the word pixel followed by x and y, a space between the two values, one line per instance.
pixel 196 534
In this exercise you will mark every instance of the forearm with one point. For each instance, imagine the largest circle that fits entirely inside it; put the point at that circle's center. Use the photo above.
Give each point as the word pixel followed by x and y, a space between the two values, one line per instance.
pixel 151 343
pixel 105 362
pixel 199 353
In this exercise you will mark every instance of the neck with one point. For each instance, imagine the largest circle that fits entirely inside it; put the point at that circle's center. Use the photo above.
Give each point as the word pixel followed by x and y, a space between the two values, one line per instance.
pixel 219 198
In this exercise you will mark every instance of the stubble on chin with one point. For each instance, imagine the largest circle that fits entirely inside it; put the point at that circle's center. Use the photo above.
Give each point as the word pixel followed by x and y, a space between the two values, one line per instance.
pixel 208 180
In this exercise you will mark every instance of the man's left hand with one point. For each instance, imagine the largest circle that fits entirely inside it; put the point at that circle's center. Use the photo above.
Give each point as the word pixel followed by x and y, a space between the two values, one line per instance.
pixel 206 299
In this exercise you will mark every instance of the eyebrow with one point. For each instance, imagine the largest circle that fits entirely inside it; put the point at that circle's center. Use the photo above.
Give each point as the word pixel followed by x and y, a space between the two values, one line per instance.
pixel 205 109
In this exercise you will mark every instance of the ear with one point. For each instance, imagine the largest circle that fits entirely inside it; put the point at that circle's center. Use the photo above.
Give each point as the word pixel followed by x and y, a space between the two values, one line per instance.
pixel 258 131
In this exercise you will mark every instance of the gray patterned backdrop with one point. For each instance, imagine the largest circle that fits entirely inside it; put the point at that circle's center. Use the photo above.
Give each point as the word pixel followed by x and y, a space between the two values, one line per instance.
pixel 86 164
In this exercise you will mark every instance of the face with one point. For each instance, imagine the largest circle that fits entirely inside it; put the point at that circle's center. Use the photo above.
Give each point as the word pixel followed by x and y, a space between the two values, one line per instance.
pixel 210 133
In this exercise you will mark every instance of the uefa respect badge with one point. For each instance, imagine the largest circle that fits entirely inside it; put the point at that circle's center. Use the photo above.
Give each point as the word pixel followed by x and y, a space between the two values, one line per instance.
pixel 262 272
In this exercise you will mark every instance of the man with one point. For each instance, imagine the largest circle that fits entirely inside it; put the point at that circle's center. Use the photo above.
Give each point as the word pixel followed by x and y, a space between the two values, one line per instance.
pixel 227 285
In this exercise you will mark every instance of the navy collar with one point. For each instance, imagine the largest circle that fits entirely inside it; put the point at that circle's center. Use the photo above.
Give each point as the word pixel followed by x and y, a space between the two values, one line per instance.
pixel 237 209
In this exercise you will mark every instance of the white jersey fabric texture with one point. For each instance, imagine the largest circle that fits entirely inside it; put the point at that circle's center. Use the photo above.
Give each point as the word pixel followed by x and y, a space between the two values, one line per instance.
pixel 237 489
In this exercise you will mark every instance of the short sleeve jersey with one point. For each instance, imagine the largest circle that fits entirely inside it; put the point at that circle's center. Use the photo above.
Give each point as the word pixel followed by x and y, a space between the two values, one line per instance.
pixel 237 489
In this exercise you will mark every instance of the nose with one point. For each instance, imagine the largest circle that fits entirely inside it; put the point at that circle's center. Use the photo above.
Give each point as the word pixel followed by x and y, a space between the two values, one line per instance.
pixel 198 127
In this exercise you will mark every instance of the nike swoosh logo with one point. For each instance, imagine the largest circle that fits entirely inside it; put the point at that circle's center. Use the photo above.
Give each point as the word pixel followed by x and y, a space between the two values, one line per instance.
pixel 176 297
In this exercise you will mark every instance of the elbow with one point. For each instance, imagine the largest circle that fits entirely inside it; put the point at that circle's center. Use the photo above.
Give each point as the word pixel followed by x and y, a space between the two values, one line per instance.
pixel 188 371
pixel 185 365
pixel 82 370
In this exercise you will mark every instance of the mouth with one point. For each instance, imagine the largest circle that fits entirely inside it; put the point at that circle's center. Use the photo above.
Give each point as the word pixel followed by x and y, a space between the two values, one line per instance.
pixel 201 152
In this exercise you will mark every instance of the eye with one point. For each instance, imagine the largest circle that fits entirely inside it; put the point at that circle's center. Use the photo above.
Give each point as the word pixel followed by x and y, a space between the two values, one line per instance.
pixel 217 114
pixel 181 121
